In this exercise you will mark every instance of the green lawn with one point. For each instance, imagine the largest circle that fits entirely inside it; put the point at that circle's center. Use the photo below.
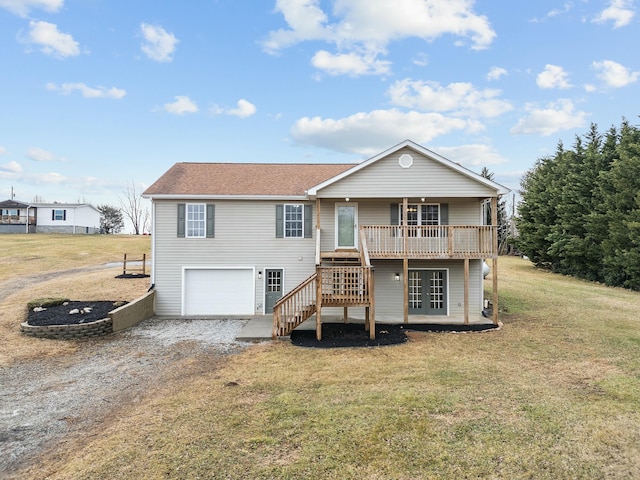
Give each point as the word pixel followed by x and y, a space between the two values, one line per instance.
pixel 554 394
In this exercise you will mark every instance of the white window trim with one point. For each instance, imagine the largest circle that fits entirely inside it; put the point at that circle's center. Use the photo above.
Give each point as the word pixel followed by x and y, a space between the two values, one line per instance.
pixel 55 214
pixel 420 205
pixel 284 220
pixel 186 220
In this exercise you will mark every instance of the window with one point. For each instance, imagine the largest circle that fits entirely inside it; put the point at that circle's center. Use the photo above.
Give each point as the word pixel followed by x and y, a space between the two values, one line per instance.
pixel 196 220
pixel 425 214
pixel 59 215
pixel 293 221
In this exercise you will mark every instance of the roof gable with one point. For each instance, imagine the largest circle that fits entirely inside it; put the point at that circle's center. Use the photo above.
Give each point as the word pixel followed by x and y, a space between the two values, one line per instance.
pixel 442 167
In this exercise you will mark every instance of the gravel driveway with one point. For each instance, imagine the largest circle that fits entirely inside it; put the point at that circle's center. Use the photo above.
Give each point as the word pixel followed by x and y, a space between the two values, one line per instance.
pixel 42 401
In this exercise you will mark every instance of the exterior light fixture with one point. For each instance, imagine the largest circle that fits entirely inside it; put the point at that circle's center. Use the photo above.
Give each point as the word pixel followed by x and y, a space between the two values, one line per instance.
pixel 396 277
pixel 259 275
pixel 346 199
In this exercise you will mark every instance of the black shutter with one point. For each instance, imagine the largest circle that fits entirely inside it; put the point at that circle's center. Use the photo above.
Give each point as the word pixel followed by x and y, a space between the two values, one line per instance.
pixel 307 221
pixel 53 214
pixel 211 214
pixel 395 214
pixel 181 219
pixel 279 221
pixel 64 215
pixel 444 214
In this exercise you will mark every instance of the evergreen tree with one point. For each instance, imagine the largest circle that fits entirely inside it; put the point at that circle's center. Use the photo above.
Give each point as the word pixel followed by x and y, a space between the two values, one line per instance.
pixel 111 220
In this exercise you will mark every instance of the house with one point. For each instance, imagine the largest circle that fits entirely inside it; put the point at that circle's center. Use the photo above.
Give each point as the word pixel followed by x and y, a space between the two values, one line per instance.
pixel 73 218
pixel 398 237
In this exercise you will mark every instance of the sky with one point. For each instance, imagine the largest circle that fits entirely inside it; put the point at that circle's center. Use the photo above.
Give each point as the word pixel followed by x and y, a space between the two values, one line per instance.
pixel 101 94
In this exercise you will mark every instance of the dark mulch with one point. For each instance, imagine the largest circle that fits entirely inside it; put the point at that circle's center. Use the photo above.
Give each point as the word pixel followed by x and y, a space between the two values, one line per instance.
pixel 337 335
pixel 59 314
pixel 131 275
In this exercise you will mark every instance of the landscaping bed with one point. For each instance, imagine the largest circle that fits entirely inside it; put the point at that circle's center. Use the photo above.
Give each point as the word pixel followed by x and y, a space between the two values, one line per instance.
pixel 64 319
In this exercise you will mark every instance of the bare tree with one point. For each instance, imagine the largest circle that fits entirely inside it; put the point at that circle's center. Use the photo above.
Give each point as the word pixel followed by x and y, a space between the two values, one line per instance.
pixel 133 208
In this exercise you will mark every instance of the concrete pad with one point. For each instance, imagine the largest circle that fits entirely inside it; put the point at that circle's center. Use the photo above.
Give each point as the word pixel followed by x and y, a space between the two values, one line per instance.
pixel 257 328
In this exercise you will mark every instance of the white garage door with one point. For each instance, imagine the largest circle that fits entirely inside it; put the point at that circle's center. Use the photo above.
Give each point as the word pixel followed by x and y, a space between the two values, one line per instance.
pixel 214 291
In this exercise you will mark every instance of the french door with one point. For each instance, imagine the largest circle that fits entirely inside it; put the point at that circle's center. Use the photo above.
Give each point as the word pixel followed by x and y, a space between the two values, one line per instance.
pixel 428 292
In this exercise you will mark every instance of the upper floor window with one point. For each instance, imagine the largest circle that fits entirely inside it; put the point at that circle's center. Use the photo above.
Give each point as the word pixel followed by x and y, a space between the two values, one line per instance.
pixel 421 214
pixel 293 221
pixel 196 220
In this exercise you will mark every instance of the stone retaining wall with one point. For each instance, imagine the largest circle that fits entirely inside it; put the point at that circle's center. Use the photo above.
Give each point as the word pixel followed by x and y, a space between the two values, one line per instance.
pixel 122 317
pixel 103 326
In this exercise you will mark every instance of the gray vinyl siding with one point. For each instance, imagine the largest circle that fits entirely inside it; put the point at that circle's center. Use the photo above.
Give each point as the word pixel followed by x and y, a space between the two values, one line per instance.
pixel 426 177
pixel 389 293
pixel 462 211
pixel 244 237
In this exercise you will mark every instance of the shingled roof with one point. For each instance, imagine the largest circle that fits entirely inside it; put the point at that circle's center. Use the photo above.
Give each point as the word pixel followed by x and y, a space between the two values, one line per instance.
pixel 244 179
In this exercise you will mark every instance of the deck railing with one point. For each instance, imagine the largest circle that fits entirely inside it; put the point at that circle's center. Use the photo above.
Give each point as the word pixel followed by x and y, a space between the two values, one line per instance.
pixel 295 307
pixel 433 241
pixel 17 219
pixel 345 286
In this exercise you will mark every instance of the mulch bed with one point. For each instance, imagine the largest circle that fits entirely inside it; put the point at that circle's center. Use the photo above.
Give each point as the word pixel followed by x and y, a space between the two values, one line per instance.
pixel 59 314
pixel 132 275
pixel 339 335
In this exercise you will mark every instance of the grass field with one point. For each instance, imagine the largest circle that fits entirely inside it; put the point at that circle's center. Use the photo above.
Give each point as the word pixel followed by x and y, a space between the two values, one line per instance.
pixel 26 258
pixel 554 394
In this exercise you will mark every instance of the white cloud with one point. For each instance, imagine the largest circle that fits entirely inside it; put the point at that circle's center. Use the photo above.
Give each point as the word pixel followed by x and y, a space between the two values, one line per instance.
pixel 472 155
pixel 23 7
pixel 620 12
pixel 11 167
pixel 52 41
pixel 553 76
pixel 244 109
pixel 40 155
pixel 371 132
pixel 3 151
pixel 496 72
pixel 158 45
pixel 614 74
pixel 366 27
pixel 349 64
pixel 181 106
pixel 556 116
pixel 461 98
pixel 86 91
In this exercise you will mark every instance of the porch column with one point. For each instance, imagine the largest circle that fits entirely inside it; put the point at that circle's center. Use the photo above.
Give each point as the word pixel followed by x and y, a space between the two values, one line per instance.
pixel 466 291
pixel 494 222
pixel 372 304
pixel 318 304
pixel 405 262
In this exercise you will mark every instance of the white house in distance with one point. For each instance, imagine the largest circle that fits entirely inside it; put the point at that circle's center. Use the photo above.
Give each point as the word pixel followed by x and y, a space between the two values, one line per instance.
pixel 401 236
pixel 70 218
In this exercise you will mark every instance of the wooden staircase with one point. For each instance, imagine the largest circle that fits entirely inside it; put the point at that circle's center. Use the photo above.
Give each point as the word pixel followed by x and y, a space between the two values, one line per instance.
pixel 295 307
pixel 347 281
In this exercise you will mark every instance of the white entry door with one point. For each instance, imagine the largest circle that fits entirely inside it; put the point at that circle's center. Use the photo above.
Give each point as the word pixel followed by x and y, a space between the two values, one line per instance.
pixel 346 225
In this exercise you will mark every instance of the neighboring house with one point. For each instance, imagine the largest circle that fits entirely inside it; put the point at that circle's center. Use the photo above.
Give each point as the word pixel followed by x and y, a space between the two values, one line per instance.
pixel 72 218
pixel 398 237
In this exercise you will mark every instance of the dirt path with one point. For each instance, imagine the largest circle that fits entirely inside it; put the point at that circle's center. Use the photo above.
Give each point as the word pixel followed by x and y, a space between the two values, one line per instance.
pixel 45 403
pixel 8 287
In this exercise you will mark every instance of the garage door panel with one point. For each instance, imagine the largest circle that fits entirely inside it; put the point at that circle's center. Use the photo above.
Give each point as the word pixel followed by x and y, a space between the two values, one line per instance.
pixel 218 292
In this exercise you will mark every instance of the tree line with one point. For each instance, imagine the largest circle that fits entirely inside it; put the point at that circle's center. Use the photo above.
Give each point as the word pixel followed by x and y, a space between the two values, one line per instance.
pixel 580 208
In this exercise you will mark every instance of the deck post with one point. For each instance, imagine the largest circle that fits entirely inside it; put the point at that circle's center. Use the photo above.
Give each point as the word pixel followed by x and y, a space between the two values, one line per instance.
pixel 405 260
pixel 466 291
pixel 345 315
pixel 372 306
pixel 319 304
pixel 494 222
